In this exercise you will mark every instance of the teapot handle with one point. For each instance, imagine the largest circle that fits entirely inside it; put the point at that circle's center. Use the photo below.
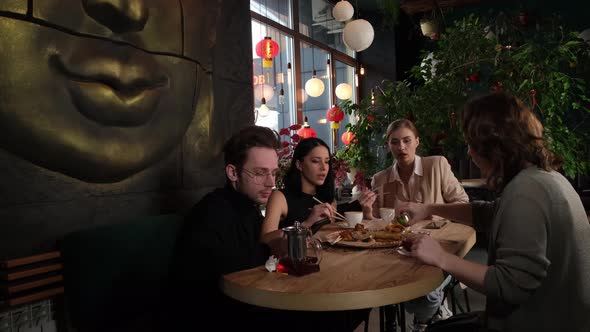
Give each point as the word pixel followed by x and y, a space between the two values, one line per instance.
pixel 316 245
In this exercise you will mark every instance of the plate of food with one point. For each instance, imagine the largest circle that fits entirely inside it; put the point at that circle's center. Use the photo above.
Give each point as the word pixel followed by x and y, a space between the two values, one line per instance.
pixel 360 237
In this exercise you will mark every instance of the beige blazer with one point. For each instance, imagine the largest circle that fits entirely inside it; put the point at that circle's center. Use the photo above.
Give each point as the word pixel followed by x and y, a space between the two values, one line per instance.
pixel 438 185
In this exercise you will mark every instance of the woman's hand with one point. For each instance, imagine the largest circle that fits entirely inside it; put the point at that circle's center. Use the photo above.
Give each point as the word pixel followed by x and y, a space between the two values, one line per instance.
pixel 428 250
pixel 319 212
pixel 366 200
pixel 417 211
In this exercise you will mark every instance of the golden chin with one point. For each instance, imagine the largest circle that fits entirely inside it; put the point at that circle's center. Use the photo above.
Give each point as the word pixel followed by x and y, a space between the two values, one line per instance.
pixel 41 123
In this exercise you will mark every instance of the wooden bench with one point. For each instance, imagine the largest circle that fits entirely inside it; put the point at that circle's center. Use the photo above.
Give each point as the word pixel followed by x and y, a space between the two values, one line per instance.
pixel 30 279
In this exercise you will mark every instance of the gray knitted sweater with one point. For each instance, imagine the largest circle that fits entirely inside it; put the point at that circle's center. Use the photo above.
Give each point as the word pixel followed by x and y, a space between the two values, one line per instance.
pixel 539 255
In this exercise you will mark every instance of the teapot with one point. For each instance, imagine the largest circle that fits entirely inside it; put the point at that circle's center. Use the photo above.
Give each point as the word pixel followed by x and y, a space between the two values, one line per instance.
pixel 304 252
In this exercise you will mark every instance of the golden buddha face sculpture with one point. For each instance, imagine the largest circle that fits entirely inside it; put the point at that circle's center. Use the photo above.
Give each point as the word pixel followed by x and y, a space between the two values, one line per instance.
pixel 100 89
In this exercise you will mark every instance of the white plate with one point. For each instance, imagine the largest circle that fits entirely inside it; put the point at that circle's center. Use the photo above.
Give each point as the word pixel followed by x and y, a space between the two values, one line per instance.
pixel 402 251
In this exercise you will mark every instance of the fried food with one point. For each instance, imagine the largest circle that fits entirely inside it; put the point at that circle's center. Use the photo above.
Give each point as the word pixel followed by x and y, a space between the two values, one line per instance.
pixel 385 235
pixel 360 228
pixel 347 235
pixel 394 228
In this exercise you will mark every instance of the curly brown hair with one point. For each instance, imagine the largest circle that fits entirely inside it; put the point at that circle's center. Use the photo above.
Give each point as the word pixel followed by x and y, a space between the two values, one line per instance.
pixel 503 130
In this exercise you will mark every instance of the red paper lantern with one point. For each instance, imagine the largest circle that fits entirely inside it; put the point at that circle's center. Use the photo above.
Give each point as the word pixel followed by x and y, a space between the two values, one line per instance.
pixel 267 49
pixel 335 114
pixel 347 137
pixel 306 131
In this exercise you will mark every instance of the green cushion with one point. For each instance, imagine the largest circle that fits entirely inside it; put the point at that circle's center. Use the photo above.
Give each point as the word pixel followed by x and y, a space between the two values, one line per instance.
pixel 117 272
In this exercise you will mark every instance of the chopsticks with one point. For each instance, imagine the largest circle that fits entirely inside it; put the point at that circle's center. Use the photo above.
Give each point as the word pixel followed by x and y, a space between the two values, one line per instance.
pixel 337 215
pixel 377 189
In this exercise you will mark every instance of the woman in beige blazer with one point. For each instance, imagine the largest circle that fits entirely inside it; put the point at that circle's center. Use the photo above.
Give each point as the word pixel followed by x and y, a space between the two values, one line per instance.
pixel 412 178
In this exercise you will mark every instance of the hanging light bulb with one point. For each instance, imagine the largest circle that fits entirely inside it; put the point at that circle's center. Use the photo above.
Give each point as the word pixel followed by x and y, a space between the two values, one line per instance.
pixel 328 70
pixel 343 91
pixel 343 11
pixel 264 91
pixel 358 35
pixel 289 73
pixel 263 110
pixel 282 96
pixel 362 71
pixel 314 86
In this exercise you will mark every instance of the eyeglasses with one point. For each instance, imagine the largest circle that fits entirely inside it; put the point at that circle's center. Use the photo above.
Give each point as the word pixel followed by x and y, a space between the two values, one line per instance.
pixel 261 176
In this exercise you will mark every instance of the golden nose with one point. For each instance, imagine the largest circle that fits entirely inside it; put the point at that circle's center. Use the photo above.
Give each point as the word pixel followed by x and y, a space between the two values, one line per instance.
pixel 119 16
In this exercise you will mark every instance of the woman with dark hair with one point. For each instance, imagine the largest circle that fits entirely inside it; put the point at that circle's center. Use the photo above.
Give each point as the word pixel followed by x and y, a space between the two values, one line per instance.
pixel 310 175
pixel 538 272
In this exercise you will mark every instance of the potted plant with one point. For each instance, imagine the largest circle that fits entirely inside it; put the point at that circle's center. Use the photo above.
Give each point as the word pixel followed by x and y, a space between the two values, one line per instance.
pixel 546 67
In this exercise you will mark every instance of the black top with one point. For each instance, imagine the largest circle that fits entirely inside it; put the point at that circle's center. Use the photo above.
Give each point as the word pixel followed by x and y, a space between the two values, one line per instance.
pixel 299 205
pixel 220 235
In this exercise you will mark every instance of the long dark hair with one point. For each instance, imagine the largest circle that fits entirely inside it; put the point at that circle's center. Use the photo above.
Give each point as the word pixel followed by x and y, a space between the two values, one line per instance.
pixel 292 179
pixel 503 130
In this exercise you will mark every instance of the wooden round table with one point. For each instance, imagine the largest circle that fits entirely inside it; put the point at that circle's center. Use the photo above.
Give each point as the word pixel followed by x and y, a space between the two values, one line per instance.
pixel 349 278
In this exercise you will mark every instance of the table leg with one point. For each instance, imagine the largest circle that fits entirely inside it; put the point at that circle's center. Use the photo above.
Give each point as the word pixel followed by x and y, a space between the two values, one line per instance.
pixel 387 318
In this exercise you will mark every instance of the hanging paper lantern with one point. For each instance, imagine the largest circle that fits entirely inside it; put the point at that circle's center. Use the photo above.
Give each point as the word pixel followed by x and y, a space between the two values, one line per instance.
pixel 335 114
pixel 343 91
pixel 264 91
pixel 342 11
pixel 267 49
pixel 358 35
pixel 347 137
pixel 306 131
pixel 314 86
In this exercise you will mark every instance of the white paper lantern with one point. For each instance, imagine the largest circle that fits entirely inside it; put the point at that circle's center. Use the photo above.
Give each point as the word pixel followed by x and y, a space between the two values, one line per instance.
pixel 314 87
pixel 358 35
pixel 343 91
pixel 264 91
pixel 342 11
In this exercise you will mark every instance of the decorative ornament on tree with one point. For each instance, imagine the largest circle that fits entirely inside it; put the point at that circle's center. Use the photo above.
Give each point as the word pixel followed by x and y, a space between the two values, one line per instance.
pixel 306 131
pixel 497 87
pixel 347 137
pixel 267 49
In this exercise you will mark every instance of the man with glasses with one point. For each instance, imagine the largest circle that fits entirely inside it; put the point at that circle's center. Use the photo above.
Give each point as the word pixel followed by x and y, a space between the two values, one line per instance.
pixel 221 233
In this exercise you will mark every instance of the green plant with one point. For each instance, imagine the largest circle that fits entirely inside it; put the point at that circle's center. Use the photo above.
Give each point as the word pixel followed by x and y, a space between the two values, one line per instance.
pixel 547 67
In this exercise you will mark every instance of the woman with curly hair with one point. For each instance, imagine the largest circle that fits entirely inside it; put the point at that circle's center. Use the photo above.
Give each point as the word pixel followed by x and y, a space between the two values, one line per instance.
pixel 538 272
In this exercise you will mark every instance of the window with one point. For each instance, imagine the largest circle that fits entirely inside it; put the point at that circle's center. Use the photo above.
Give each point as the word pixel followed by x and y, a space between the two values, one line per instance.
pixel 305 47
